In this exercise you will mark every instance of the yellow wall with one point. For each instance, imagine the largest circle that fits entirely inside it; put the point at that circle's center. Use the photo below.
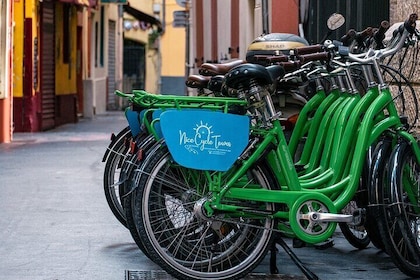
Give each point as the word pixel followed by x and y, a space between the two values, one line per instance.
pixel 65 73
pixel 27 8
pixel 169 59
pixel 18 12
pixel 152 56
pixel 173 44
pixel 22 9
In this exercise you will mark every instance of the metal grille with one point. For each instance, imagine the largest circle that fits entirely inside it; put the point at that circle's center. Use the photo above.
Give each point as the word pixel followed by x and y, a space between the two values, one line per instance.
pixel 162 275
pixel 47 59
pixel 147 275
pixel 111 66
pixel 359 15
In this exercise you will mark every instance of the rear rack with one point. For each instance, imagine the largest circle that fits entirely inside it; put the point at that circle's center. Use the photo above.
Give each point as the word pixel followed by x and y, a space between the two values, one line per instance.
pixel 144 100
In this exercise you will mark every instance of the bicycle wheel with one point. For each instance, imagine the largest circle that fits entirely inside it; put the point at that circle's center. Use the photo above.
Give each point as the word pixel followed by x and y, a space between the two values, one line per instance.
pixel 182 240
pixel 356 235
pixel 133 167
pixel 374 211
pixel 114 160
pixel 401 222
pixel 404 95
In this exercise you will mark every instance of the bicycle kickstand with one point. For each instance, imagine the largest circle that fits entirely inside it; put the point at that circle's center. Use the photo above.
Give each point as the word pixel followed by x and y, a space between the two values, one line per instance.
pixel 273 268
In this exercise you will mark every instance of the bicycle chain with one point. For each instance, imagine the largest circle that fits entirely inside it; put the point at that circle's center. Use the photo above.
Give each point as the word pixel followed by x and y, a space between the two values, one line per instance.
pixel 214 218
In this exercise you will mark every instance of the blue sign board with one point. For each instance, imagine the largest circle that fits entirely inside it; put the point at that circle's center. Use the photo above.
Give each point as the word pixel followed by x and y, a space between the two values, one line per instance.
pixel 204 140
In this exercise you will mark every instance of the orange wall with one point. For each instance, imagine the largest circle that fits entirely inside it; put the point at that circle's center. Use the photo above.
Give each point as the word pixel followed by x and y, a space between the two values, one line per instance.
pixel 285 16
pixel 6 103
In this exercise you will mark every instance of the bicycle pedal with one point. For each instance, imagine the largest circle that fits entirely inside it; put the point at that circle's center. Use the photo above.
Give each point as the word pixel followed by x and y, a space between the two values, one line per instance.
pixel 297 243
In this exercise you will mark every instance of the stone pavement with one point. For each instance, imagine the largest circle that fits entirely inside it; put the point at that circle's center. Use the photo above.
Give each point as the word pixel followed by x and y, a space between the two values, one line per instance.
pixel 55 223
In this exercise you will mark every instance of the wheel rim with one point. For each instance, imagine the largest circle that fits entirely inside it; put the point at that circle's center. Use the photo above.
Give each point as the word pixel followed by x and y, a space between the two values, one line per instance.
pixel 190 244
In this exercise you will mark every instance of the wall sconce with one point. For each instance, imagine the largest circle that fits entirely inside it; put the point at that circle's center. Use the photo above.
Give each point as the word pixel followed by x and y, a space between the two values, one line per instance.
pixel 136 25
pixel 128 25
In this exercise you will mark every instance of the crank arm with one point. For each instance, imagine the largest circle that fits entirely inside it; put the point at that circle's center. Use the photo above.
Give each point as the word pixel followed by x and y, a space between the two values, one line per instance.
pixel 328 217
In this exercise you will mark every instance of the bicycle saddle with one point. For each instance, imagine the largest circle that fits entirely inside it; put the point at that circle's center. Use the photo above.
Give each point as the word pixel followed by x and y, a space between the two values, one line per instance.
pixel 197 81
pixel 213 69
pixel 241 75
pixel 215 83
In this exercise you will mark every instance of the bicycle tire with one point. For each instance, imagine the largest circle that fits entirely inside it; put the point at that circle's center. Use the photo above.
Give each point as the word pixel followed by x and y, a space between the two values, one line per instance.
pixel 377 172
pixel 400 224
pixel 136 162
pixel 114 160
pixel 356 235
pixel 172 229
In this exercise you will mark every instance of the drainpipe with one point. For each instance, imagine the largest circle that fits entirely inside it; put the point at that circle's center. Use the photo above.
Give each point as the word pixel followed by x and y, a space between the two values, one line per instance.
pixel 265 17
pixel 163 19
pixel 6 75
pixel 187 42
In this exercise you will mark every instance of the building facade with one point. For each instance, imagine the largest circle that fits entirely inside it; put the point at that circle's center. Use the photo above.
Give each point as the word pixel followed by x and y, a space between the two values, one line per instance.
pixel 67 59
pixel 46 56
pixel 63 59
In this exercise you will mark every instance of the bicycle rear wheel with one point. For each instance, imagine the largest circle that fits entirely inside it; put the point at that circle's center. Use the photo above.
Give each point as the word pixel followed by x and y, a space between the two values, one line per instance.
pixel 401 222
pixel 115 158
pixel 356 235
pixel 182 240
pixel 146 146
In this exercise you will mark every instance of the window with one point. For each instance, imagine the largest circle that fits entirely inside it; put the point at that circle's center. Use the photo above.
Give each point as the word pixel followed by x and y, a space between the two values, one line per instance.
pixel 100 39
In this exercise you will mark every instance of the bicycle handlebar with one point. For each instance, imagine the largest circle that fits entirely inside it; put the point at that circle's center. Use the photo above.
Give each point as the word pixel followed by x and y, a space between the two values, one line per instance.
pixel 308 49
pixel 379 35
pixel 321 56
pixel 406 29
pixel 271 58
pixel 360 36
pixel 290 65
pixel 349 37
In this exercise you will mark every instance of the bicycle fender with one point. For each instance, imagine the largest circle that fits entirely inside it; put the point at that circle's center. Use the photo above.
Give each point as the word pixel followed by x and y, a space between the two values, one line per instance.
pixel 134 120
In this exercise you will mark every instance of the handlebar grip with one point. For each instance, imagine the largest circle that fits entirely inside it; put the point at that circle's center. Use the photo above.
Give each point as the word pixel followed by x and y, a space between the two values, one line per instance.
pixel 290 66
pixel 308 49
pixel 322 56
pixel 379 35
pixel 384 26
pixel 363 34
pixel 271 58
pixel 410 23
pixel 349 37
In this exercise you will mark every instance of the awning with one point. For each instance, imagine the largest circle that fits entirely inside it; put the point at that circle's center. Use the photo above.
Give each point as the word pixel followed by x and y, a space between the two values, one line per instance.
pixel 139 15
pixel 87 3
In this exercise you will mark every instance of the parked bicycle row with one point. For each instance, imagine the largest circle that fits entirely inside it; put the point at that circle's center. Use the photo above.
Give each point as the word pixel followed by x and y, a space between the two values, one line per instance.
pixel 207 184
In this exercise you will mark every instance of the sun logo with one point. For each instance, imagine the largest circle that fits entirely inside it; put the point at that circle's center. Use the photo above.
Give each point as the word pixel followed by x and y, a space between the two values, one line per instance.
pixel 203 134
pixel 203 131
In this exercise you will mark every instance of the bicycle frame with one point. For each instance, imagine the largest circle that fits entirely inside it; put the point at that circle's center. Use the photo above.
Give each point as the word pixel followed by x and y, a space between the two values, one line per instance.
pixel 209 185
pixel 343 179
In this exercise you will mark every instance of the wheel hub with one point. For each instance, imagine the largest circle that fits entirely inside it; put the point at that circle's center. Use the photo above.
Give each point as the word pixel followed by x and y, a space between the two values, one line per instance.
pixel 199 210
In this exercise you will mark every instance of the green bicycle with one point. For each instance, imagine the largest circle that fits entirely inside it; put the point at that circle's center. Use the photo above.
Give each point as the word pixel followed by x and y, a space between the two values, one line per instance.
pixel 215 217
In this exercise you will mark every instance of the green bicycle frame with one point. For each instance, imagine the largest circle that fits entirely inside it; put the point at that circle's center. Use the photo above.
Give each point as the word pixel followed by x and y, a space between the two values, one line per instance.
pixel 365 124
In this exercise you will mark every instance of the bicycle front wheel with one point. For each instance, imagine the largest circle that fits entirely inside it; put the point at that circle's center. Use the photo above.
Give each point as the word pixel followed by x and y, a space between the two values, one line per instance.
pixel 401 222
pixel 185 243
